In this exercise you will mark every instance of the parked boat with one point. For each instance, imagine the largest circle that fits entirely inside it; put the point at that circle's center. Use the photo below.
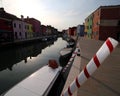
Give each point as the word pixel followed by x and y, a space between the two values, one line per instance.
pixel 37 84
pixel 66 51
pixel 44 39
pixel 71 44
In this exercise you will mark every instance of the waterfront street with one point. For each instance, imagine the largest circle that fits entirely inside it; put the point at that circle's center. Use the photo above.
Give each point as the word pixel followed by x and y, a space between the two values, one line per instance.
pixel 105 80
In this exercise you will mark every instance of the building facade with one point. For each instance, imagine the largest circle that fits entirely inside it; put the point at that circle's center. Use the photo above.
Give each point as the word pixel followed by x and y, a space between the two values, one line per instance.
pixel 43 30
pixel 6 31
pixel 80 30
pixel 36 26
pixel 72 31
pixel 6 28
pixel 19 29
pixel 89 27
pixel 106 22
pixel 29 32
pixel 86 27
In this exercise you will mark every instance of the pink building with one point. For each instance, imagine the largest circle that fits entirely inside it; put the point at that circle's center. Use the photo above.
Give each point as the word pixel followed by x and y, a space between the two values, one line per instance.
pixel 19 29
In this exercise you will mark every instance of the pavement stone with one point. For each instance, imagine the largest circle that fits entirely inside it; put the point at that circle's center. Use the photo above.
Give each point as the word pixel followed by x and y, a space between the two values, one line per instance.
pixel 105 81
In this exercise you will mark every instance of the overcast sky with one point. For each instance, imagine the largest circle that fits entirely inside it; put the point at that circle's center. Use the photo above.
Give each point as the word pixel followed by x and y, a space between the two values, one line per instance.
pixel 59 13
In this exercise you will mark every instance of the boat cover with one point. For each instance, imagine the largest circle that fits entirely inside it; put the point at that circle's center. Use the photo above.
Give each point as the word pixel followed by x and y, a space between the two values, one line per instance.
pixel 37 84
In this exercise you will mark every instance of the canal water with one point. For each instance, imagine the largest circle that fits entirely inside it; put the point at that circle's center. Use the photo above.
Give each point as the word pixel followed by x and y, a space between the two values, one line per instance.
pixel 19 62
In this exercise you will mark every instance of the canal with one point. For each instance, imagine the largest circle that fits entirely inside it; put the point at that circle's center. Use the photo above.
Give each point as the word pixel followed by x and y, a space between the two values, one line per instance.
pixel 19 62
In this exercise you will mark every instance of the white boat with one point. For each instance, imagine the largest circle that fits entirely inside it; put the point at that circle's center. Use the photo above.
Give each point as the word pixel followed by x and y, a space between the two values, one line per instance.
pixel 37 84
pixel 71 44
pixel 65 51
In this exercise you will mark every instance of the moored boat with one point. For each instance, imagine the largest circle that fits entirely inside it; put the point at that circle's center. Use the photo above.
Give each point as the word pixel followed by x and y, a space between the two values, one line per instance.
pixel 37 84
pixel 66 51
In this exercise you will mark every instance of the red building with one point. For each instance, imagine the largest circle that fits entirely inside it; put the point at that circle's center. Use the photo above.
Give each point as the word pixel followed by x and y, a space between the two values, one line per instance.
pixel 72 31
pixel 106 22
pixel 43 29
pixel 6 28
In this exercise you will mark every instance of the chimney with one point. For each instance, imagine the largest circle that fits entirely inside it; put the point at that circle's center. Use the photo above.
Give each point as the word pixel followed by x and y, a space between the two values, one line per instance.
pixel 2 9
pixel 27 17
pixel 22 17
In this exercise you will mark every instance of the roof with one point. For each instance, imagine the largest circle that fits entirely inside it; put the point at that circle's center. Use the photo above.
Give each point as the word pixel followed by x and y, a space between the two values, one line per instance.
pixel 6 15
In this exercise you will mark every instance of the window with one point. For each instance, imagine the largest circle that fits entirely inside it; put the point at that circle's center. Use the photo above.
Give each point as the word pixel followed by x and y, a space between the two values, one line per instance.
pixel 87 27
pixel 28 27
pixel 15 25
pixel 25 26
pixel 90 26
pixel 20 33
pixel 20 26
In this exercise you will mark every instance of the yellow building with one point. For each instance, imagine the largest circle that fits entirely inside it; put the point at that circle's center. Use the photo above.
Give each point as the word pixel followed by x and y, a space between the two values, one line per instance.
pixel 86 27
pixel 29 28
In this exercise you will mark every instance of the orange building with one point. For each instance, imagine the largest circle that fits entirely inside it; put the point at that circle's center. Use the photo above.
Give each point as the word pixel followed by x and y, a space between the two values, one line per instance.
pixel 106 22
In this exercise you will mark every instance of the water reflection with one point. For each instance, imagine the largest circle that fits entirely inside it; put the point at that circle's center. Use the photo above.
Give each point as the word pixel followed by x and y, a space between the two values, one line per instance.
pixel 18 63
pixel 11 57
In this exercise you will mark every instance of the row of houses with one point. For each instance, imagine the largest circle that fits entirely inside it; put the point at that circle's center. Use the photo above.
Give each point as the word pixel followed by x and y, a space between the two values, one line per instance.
pixel 13 28
pixel 73 31
pixel 104 22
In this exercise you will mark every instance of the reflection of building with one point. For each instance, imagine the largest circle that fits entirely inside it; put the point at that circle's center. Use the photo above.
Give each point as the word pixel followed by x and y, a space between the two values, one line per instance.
pixel 11 57
pixel 104 22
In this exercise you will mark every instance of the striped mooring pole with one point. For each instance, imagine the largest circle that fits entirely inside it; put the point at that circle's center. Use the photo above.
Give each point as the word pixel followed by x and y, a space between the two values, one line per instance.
pixel 94 63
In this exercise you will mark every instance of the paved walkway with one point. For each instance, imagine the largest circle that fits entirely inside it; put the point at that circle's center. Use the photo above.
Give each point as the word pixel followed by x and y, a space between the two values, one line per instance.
pixel 105 81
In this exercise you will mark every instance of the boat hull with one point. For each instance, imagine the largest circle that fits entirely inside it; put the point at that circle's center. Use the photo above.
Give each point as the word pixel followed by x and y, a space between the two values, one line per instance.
pixel 37 84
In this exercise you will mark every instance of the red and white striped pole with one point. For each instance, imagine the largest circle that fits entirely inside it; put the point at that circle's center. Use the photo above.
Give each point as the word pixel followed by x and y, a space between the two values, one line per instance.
pixel 94 63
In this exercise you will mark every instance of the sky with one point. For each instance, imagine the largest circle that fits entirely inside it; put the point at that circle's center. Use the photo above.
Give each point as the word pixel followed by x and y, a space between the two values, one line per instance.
pixel 60 14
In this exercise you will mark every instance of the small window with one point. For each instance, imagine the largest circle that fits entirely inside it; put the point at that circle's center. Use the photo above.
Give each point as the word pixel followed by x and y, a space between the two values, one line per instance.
pixel 20 26
pixel 28 27
pixel 98 13
pixel 15 25
pixel 20 33
pixel 90 26
pixel 87 27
